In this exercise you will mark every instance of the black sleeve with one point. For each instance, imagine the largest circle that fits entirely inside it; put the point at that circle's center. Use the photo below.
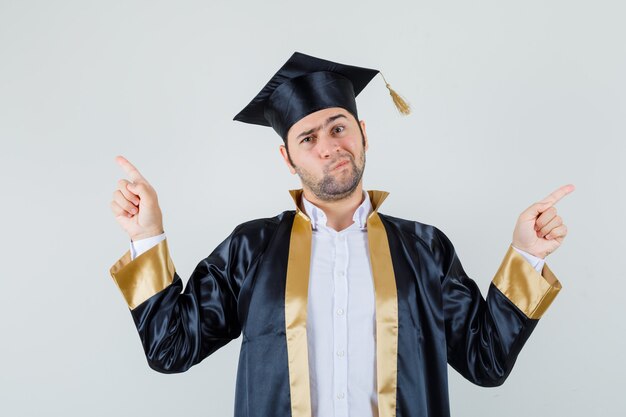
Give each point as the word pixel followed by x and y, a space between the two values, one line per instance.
pixel 179 328
pixel 485 336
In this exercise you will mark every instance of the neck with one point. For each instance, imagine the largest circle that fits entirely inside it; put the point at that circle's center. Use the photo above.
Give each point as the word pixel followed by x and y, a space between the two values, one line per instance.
pixel 339 213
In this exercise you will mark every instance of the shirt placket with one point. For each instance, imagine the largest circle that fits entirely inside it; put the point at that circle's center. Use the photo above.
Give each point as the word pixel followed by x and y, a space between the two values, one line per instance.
pixel 340 326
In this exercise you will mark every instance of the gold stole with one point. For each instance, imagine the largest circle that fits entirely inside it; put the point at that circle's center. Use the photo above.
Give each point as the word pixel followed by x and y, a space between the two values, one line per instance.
pixel 296 294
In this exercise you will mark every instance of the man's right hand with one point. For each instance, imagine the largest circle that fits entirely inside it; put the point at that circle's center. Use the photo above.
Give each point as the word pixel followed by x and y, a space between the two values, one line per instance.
pixel 135 204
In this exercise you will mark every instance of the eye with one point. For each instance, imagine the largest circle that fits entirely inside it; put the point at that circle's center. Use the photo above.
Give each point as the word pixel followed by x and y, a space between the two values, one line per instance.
pixel 306 140
pixel 338 129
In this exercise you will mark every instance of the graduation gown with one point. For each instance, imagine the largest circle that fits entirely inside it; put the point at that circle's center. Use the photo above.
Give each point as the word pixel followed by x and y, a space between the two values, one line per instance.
pixel 429 313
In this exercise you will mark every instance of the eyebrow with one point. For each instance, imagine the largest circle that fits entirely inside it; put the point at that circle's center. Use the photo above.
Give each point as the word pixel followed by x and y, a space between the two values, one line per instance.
pixel 326 123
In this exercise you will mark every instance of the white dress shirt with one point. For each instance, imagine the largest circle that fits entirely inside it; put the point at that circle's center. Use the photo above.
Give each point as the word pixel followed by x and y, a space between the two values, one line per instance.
pixel 341 317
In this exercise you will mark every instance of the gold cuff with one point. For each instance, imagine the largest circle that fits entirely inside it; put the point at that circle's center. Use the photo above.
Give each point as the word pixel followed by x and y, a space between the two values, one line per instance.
pixel 530 291
pixel 146 275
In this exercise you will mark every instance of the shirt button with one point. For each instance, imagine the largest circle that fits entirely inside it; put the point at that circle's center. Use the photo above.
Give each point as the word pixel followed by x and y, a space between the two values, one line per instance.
pixel 340 353
pixel 341 395
pixel 340 311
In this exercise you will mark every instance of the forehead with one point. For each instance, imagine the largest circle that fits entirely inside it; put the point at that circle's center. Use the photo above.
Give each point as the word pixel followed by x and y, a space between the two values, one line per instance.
pixel 317 119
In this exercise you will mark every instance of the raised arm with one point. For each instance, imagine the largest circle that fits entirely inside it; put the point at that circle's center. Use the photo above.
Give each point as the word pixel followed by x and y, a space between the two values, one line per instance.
pixel 485 336
pixel 177 328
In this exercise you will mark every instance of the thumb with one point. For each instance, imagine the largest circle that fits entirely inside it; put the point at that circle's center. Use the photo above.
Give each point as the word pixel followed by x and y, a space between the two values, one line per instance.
pixel 535 210
pixel 541 207
pixel 138 189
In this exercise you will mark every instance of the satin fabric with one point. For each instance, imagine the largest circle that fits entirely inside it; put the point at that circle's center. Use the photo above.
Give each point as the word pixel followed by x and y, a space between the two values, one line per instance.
pixel 240 289
pixel 303 85
pixel 303 95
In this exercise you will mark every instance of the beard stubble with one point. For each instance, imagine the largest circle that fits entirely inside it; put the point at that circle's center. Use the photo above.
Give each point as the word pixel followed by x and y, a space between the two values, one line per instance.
pixel 329 187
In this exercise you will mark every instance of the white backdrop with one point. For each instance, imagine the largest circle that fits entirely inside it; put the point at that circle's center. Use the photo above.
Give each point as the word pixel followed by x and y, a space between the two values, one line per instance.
pixel 510 99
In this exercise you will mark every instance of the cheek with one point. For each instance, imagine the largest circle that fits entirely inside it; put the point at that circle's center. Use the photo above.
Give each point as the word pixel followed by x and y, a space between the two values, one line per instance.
pixel 355 146
pixel 303 160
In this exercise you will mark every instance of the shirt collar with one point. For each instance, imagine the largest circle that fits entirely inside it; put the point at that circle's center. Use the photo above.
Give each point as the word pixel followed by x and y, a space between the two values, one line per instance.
pixel 318 217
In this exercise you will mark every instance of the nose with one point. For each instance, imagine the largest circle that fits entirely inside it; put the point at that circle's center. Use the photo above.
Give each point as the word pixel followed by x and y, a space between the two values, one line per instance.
pixel 329 146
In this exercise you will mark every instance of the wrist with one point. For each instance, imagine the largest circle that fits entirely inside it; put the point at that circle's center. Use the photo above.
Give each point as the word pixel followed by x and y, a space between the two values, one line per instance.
pixel 529 251
pixel 146 235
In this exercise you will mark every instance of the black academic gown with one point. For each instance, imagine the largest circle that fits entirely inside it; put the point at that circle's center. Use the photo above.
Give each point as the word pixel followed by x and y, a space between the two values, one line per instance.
pixel 429 313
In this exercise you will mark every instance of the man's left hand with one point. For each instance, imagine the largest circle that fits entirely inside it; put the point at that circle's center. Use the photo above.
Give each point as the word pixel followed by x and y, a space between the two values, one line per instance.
pixel 539 230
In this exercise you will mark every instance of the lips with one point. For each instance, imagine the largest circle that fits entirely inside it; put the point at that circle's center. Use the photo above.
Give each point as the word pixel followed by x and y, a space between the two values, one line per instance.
pixel 340 164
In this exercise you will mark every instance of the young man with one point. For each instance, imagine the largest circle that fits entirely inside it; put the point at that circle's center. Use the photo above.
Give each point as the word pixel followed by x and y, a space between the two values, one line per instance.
pixel 344 311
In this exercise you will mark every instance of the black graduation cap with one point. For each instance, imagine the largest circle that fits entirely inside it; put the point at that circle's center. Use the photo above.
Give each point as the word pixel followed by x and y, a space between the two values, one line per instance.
pixel 306 84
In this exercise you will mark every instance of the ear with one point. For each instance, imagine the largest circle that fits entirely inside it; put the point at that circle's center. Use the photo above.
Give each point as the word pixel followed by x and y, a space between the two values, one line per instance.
pixel 285 155
pixel 362 123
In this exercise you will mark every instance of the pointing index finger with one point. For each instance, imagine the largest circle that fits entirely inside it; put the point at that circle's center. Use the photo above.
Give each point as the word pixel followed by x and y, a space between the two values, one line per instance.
pixel 558 194
pixel 131 171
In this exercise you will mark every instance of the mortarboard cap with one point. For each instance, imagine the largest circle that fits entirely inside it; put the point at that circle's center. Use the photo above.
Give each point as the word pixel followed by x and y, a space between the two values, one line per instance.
pixel 306 84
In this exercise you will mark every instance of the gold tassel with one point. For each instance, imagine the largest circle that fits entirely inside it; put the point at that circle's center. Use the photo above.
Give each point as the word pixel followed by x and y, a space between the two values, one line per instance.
pixel 400 103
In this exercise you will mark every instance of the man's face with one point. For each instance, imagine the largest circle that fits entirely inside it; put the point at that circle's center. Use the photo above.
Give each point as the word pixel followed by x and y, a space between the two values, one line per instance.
pixel 327 151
